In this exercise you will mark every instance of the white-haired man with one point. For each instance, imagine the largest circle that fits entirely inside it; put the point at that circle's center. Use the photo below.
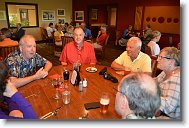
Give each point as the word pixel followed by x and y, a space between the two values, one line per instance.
pixel 133 59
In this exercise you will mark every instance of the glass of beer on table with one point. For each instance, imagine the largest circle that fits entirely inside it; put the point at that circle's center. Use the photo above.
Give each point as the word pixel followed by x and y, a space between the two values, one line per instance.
pixel 104 102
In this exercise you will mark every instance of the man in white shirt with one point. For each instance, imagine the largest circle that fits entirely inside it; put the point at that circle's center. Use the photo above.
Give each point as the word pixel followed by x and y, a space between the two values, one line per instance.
pixel 50 29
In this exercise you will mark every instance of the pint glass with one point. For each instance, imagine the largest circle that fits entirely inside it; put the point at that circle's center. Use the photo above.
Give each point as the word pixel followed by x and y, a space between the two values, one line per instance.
pixel 104 103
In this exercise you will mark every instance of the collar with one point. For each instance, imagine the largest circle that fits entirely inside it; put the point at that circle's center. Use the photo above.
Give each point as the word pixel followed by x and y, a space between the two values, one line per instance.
pixel 75 44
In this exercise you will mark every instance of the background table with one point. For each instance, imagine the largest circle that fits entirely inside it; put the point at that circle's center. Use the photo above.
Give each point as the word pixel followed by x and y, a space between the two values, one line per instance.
pixel 40 94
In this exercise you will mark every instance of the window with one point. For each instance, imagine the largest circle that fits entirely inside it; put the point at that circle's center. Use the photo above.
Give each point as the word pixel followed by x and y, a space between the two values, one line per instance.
pixel 24 13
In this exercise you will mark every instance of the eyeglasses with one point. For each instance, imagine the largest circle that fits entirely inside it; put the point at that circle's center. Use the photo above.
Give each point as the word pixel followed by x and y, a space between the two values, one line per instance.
pixel 118 91
pixel 160 57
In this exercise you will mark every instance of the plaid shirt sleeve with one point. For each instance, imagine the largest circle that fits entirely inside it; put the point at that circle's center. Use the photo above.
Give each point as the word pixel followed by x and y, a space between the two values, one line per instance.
pixel 170 99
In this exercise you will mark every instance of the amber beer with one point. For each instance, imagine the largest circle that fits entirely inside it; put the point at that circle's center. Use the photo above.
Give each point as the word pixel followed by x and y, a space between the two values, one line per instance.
pixel 104 103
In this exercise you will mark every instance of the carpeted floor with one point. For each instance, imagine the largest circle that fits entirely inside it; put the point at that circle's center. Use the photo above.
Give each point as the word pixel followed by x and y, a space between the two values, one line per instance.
pixel 111 53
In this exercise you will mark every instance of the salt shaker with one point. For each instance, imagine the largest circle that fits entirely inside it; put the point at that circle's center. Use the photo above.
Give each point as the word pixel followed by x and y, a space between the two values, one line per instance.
pixel 84 82
pixel 80 86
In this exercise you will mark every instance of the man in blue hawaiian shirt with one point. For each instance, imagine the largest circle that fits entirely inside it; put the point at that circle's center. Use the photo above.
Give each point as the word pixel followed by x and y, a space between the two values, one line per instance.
pixel 25 62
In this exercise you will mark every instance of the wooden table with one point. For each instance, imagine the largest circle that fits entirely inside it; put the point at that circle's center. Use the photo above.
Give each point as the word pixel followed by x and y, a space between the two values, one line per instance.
pixel 40 94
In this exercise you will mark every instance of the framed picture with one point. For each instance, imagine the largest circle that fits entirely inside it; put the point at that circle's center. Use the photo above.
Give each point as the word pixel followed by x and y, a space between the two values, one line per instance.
pixel 2 15
pixel 23 14
pixel 48 15
pixel 61 20
pixel 79 15
pixel 60 12
pixel 94 13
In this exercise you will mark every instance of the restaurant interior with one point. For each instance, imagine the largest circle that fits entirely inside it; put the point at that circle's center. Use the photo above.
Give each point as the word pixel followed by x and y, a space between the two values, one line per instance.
pixel 161 15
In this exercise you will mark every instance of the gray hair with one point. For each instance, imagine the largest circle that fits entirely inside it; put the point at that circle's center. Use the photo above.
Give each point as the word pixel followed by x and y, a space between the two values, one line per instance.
pixel 24 39
pixel 142 93
pixel 137 41
pixel 172 53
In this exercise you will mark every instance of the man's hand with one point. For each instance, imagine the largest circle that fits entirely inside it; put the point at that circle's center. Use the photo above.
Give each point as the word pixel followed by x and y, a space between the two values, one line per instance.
pixel 41 73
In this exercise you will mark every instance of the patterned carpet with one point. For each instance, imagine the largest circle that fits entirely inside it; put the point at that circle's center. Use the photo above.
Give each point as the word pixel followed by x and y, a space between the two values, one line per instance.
pixel 111 53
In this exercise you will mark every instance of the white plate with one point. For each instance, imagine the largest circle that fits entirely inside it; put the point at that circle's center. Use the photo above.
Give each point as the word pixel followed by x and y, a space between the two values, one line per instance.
pixel 91 69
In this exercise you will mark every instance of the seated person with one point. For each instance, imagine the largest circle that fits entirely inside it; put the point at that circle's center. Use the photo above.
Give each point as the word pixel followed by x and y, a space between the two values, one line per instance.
pixel 128 33
pixel 58 34
pixel 25 61
pixel 147 34
pixel 133 59
pixel 50 29
pixel 18 106
pixel 5 37
pixel 19 32
pixel 155 49
pixel 101 38
pixel 78 50
pixel 138 97
pixel 69 30
pixel 169 81
pixel 87 32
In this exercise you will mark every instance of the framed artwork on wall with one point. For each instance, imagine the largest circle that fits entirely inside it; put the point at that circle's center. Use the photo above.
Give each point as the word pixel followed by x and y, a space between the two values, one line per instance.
pixel 2 15
pixel 79 15
pixel 48 15
pixel 94 14
pixel 60 12
pixel 61 20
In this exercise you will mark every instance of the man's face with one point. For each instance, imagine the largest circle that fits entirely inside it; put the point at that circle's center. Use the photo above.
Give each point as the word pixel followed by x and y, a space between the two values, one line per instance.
pixel 78 35
pixel 132 49
pixel 28 50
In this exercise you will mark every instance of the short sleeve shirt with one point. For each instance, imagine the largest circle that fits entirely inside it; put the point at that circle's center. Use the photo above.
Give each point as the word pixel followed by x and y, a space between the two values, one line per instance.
pixel 71 54
pixel 141 64
pixel 20 68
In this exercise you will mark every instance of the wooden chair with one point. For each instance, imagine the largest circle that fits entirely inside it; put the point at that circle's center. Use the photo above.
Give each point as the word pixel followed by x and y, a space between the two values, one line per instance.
pixel 66 39
pixel 147 50
pixel 45 37
pixel 102 49
pixel 6 50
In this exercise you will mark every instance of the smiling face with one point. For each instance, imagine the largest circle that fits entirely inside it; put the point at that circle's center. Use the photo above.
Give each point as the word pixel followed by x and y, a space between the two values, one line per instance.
pixel 132 49
pixel 78 36
pixel 28 47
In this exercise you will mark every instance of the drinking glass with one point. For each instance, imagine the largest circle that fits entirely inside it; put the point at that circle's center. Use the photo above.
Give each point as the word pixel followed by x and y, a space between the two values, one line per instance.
pixel 56 83
pixel 104 102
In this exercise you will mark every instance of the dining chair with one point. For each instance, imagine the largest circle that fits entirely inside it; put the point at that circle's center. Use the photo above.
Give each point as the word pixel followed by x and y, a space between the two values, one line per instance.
pixel 45 37
pixel 6 50
pixel 66 39
pixel 102 49
pixel 147 50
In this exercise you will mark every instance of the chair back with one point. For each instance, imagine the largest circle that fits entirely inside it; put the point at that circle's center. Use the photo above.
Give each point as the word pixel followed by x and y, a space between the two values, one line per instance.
pixel 44 34
pixel 147 50
pixel 154 65
pixel 66 39
pixel 6 50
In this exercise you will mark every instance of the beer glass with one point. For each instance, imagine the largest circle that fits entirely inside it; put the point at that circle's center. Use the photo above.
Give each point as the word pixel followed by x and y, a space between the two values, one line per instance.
pixel 104 102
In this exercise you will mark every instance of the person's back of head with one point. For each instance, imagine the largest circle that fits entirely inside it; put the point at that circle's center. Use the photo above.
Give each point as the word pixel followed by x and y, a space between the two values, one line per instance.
pixel 50 24
pixel 155 34
pixel 142 94
pixel 6 32
pixel 3 78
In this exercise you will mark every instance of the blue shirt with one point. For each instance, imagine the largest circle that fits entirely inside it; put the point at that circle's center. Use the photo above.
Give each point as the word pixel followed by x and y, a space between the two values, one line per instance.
pixel 87 33
pixel 21 104
pixel 20 68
